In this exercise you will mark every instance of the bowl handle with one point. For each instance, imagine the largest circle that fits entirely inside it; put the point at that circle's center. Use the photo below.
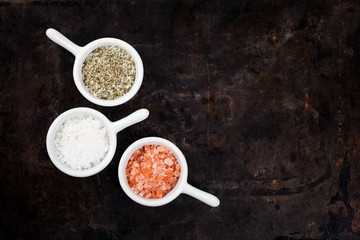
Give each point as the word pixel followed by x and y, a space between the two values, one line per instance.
pixel 60 39
pixel 133 118
pixel 201 195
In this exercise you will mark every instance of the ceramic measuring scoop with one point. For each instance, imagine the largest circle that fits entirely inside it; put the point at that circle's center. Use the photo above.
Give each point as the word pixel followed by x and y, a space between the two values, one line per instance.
pixel 182 185
pixel 81 53
pixel 112 128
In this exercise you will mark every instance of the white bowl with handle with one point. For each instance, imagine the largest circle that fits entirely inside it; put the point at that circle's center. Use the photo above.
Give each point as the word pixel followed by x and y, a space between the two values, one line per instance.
pixel 182 186
pixel 112 128
pixel 81 53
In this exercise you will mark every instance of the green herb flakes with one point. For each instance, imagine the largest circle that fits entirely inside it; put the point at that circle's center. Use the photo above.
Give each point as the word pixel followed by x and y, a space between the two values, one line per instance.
pixel 109 72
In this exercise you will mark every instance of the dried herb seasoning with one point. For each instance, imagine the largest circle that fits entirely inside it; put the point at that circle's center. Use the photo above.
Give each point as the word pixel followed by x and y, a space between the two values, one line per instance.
pixel 109 72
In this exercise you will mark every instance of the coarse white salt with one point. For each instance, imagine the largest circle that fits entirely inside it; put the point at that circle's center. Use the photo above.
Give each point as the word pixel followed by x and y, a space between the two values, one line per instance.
pixel 81 142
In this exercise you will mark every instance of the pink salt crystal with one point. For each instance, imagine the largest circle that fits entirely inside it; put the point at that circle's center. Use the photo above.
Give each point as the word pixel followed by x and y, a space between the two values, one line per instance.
pixel 153 171
pixel 173 180
pixel 162 149
pixel 168 162
pixel 139 186
pixel 135 190
pixel 138 178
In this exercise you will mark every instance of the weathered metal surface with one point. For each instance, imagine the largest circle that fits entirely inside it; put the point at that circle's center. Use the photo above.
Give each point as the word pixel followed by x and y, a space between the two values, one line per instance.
pixel 261 96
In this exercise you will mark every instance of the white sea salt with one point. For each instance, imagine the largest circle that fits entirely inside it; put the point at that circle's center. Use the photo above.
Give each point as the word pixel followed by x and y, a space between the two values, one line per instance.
pixel 81 142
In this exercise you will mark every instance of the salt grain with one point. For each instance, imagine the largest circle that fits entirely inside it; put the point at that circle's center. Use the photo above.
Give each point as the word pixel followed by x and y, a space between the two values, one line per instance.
pixel 81 142
pixel 168 162
pixel 152 171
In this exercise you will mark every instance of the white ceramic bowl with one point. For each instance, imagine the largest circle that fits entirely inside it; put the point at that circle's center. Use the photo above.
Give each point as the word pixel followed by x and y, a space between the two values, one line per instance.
pixel 81 53
pixel 181 187
pixel 112 128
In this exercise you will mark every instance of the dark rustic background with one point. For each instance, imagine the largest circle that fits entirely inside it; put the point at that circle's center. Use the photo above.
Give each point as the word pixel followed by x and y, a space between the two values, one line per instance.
pixel 262 97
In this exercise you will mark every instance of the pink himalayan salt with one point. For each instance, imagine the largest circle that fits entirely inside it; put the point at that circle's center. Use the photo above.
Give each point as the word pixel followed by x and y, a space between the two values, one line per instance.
pixel 152 171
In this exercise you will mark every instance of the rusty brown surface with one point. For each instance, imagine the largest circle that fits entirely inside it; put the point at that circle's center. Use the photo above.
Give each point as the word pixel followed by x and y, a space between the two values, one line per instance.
pixel 261 96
